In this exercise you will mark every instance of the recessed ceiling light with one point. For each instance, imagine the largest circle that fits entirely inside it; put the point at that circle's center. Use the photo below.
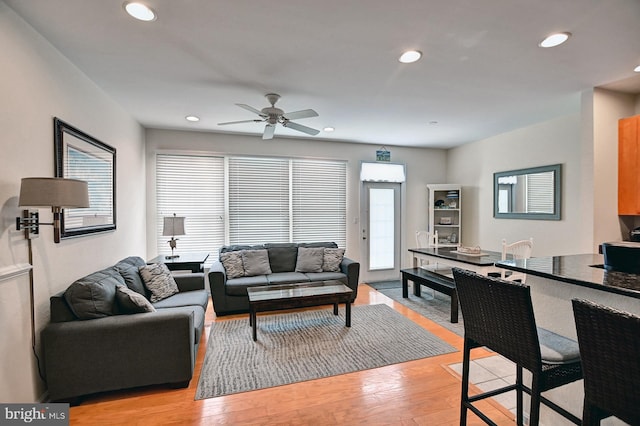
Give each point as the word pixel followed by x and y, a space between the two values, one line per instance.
pixel 192 118
pixel 329 129
pixel 637 69
pixel 555 40
pixel 410 56
pixel 140 11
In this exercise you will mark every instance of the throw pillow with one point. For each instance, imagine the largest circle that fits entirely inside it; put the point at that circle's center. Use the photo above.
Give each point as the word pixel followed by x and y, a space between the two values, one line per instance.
pixel 132 302
pixel 158 281
pixel 233 265
pixel 332 259
pixel 310 259
pixel 94 296
pixel 256 262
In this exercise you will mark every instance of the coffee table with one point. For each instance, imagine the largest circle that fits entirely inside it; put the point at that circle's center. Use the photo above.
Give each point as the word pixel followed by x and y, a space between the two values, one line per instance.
pixel 298 295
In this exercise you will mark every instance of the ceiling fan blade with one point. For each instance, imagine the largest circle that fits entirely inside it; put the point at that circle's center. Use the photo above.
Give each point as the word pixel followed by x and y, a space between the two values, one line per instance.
pixel 252 109
pixel 296 115
pixel 301 128
pixel 238 122
pixel 268 131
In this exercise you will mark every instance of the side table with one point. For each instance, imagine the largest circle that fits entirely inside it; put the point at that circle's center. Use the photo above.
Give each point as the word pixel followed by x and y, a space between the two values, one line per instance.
pixel 187 261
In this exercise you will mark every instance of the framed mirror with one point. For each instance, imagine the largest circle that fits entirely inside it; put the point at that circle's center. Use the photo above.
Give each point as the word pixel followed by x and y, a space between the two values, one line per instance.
pixel 80 156
pixel 533 193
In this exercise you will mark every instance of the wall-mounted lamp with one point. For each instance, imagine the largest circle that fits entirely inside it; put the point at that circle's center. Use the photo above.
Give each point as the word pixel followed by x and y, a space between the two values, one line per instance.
pixel 173 225
pixel 57 193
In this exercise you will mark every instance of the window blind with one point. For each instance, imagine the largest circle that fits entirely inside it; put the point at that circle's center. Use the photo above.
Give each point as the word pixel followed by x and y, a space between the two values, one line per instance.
pixel 319 201
pixel 269 200
pixel 258 200
pixel 191 186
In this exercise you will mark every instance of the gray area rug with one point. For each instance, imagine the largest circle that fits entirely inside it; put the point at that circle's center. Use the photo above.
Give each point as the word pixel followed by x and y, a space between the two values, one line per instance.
pixel 433 305
pixel 307 345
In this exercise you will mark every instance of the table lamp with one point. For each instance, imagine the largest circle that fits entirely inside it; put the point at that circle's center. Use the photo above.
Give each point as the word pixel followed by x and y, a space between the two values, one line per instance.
pixel 173 225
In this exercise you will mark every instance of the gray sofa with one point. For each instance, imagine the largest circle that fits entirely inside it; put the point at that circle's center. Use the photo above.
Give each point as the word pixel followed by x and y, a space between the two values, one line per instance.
pixel 93 344
pixel 230 294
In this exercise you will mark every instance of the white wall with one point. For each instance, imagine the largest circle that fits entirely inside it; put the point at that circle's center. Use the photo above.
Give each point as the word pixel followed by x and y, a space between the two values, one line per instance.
pixel 36 84
pixel 423 166
pixel 551 142
pixel 608 108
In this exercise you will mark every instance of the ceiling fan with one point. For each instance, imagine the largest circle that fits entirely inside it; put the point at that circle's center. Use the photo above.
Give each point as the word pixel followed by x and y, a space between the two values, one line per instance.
pixel 272 115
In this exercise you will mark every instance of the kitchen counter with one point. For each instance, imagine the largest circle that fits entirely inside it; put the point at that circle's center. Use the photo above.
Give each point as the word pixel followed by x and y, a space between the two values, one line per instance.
pixel 554 281
pixel 578 269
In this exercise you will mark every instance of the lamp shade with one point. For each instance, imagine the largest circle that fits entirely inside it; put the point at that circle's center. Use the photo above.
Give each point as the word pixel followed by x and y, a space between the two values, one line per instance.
pixel 173 225
pixel 54 192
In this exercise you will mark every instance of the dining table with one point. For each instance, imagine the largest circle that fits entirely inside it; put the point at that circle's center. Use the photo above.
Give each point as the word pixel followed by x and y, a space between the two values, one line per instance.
pixel 481 263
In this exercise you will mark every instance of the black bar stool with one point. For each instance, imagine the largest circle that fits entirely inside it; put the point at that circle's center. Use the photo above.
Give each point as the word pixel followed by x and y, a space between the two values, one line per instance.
pixel 499 315
pixel 610 350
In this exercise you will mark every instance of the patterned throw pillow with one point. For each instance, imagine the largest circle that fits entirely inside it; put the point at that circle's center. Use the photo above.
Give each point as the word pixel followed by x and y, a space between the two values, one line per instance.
pixel 256 262
pixel 132 302
pixel 332 259
pixel 310 259
pixel 158 281
pixel 232 262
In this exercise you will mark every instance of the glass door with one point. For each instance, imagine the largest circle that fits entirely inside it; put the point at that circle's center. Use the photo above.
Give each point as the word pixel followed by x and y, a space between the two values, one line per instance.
pixel 381 231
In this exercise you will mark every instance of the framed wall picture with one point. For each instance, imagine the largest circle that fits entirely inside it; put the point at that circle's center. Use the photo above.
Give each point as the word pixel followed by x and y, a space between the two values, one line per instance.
pixel 81 156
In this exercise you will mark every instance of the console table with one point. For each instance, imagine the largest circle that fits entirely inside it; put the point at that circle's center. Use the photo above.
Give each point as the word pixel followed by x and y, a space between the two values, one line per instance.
pixel 186 262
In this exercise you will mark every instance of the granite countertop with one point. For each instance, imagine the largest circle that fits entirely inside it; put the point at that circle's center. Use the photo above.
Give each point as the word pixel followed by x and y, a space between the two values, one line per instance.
pixel 578 269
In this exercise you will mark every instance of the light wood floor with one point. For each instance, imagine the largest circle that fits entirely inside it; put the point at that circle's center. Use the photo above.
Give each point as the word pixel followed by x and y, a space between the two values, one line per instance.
pixel 421 392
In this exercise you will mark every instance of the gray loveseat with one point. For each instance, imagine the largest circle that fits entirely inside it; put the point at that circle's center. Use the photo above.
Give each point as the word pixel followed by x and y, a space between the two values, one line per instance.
pixel 230 294
pixel 93 344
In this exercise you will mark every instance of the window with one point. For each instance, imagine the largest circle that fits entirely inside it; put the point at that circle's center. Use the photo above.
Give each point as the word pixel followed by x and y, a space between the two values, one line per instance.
pixel 319 201
pixel 191 186
pixel 268 200
pixel 258 200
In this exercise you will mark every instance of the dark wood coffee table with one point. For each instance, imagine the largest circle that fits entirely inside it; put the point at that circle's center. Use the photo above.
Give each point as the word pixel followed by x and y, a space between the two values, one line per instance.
pixel 298 295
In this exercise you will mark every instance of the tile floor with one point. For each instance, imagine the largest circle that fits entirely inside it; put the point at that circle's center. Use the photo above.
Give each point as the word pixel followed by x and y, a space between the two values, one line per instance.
pixel 491 373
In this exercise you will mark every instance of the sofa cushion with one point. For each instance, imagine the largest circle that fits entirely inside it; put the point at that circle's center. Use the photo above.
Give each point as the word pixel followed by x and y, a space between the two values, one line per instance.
pixel 287 278
pixel 327 276
pixel 132 302
pixel 328 244
pixel 309 259
pixel 94 296
pixel 233 265
pixel 240 247
pixel 282 256
pixel 129 269
pixel 238 286
pixel 158 279
pixel 185 298
pixel 256 262
pixel 332 259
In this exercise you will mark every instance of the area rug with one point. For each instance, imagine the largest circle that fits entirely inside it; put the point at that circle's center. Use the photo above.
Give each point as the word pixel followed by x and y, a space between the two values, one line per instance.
pixel 431 304
pixel 384 285
pixel 307 345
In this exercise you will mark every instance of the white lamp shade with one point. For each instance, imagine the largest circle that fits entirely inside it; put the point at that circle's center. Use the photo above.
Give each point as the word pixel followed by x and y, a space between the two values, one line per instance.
pixel 54 192
pixel 173 225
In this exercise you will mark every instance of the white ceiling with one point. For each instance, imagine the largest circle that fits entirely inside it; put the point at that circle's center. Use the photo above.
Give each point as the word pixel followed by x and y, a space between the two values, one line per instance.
pixel 481 74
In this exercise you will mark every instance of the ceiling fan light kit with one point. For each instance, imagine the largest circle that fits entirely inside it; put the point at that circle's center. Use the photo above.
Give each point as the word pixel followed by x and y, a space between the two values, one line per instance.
pixel 272 116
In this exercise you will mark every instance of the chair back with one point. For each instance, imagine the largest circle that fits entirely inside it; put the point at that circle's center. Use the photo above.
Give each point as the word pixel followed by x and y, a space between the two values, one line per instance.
pixel 517 250
pixel 499 314
pixel 425 239
pixel 609 343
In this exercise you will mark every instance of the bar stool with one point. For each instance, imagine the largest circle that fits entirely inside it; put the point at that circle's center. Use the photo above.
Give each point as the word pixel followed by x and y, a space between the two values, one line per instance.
pixel 499 314
pixel 609 343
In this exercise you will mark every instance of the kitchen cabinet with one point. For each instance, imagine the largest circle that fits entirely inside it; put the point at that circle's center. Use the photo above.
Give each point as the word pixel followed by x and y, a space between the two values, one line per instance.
pixel 629 166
